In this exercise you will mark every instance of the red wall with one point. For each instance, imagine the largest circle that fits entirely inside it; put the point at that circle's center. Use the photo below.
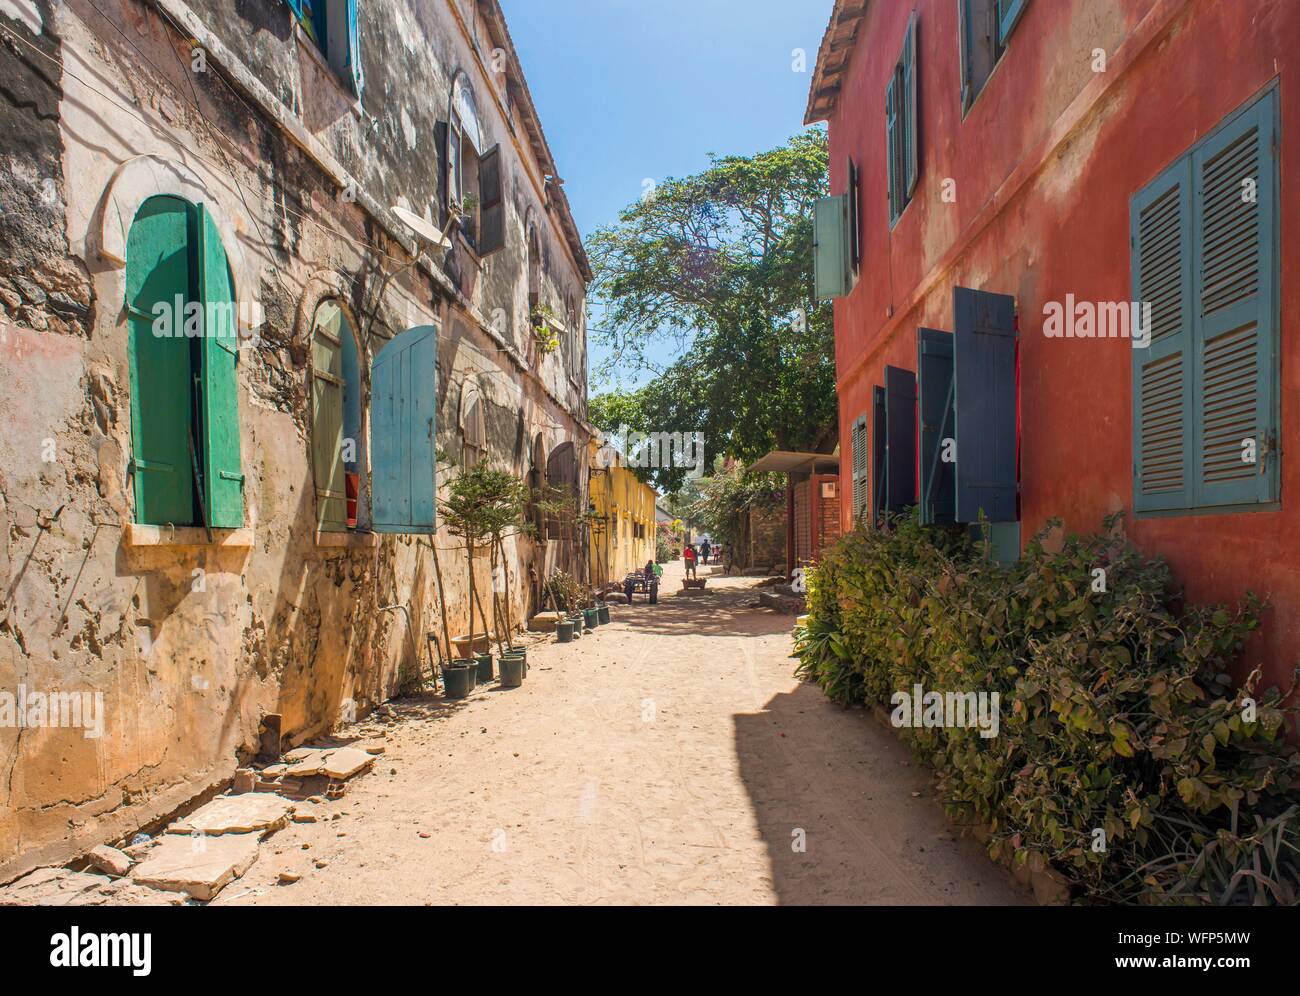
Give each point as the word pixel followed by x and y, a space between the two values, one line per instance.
pixel 1045 164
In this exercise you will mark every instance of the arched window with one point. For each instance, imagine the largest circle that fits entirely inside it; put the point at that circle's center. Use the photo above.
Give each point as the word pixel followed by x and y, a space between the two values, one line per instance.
pixel 562 483
pixel 472 427
pixel 337 432
pixel 464 148
pixel 183 341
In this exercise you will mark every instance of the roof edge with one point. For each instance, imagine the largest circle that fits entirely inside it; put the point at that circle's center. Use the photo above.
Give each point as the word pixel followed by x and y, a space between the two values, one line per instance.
pixel 833 57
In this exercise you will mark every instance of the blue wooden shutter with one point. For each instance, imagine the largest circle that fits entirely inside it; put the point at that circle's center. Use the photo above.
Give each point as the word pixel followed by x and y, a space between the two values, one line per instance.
pixel 934 388
pixel 830 248
pixel 403 417
pixel 879 466
pixel 1161 231
pixel 900 439
pixel 984 373
pixel 223 483
pixel 1009 12
pixel 158 272
pixel 911 134
pixel 891 144
pixel 354 49
pixel 1235 336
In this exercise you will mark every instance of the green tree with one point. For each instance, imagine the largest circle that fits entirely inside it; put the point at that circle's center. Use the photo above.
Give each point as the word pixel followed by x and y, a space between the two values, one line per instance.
pixel 718 266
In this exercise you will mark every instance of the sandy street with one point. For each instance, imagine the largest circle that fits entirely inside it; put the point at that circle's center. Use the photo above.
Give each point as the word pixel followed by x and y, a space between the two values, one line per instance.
pixel 667 758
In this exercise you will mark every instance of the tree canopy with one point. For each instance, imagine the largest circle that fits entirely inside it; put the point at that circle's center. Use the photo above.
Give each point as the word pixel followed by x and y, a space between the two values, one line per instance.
pixel 718 266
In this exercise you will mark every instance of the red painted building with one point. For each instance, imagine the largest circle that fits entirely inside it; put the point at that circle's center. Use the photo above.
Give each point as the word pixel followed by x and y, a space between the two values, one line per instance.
pixel 1069 158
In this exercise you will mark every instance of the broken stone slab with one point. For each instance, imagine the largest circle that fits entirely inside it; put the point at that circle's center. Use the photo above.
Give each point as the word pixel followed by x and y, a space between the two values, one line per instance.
pixel 109 860
pixel 51 887
pixel 200 867
pixel 248 813
pixel 300 754
pixel 345 762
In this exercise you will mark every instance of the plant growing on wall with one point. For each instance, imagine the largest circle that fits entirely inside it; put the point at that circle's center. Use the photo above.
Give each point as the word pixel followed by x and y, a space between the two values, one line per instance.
pixel 541 318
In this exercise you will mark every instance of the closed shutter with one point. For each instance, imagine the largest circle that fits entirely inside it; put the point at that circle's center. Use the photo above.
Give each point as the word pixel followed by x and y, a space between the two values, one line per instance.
pixel 900 439
pixel 158 269
pixel 223 485
pixel 878 464
pixel 934 388
pixel 891 142
pixel 404 392
pixel 859 456
pixel 1161 225
pixel 1235 340
pixel 984 371
pixel 911 131
pixel 830 248
pixel 327 419
pixel 492 205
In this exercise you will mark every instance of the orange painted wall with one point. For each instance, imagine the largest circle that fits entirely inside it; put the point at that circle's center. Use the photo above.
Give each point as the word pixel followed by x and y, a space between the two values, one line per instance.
pixel 1045 164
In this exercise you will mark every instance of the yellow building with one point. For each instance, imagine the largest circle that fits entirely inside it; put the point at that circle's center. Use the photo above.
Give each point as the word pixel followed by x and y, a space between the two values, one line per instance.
pixel 623 534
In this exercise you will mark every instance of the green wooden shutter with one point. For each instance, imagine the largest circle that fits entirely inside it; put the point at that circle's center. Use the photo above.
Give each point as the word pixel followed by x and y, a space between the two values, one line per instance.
pixel 879 435
pixel 1235 339
pixel 1161 226
pixel 830 247
pixel 223 490
pixel 327 418
pixel 858 442
pixel 891 142
pixel 911 134
pixel 158 273
pixel 854 216
pixel 965 44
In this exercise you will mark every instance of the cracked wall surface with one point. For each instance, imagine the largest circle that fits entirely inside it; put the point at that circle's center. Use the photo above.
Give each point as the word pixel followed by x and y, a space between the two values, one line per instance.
pixel 191 644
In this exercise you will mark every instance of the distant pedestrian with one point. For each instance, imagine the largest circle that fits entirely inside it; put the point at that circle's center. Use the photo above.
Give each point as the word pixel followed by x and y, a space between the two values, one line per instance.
pixel 704 552
pixel 688 555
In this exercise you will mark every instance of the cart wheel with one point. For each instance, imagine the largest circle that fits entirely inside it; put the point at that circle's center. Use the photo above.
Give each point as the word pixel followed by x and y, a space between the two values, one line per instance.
pixel 654 594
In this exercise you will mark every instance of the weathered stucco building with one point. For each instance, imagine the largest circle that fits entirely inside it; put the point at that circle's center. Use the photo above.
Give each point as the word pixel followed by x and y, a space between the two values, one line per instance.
pixel 230 367
pixel 1010 173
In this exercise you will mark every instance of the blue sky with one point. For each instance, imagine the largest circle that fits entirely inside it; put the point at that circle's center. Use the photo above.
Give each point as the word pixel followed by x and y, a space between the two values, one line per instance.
pixel 630 90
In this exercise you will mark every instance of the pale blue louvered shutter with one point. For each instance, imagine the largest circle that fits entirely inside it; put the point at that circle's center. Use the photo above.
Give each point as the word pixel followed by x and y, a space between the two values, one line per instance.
pixel 1234 445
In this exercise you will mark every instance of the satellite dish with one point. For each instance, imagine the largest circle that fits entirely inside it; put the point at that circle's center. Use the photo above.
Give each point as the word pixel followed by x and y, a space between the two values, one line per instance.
pixel 424 229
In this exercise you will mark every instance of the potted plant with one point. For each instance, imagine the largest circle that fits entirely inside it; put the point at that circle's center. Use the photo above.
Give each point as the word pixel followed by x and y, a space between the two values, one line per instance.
pixel 480 501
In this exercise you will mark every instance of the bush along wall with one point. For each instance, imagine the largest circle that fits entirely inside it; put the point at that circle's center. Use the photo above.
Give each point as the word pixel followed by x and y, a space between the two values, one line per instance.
pixel 1122 753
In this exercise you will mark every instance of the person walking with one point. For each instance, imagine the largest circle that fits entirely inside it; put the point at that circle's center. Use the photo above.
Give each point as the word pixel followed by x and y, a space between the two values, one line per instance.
pixel 688 555
pixel 704 552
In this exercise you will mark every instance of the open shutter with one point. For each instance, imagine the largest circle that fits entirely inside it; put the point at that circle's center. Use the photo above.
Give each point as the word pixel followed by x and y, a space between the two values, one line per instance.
pixel 1009 12
pixel 934 388
pixel 223 485
pixel 984 372
pixel 492 204
pixel 879 466
pixel 891 141
pixel 404 392
pixel 327 420
pixel 900 439
pixel 1235 336
pixel 858 441
pixel 1161 227
pixel 354 50
pixel 158 272
pixel 854 217
pixel 911 133
pixel 966 43
pixel 830 248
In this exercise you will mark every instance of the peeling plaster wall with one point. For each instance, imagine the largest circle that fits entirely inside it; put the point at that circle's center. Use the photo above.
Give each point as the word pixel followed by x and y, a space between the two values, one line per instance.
pixel 191 646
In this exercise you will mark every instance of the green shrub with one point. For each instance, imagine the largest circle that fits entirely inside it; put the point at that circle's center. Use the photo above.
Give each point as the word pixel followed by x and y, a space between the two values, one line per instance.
pixel 1118 713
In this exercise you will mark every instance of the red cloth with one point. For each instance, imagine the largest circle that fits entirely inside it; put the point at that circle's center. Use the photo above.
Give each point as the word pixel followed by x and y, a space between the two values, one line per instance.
pixel 688 553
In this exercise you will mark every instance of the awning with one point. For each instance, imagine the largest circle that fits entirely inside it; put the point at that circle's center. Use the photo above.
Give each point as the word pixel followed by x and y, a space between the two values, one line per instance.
pixel 795 462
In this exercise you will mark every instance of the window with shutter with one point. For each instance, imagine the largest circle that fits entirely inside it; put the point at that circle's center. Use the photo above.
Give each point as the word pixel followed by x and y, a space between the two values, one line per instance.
pixel 403 412
pixel 332 25
pixel 860 466
pixel 854 217
pixel 901 125
pixel 934 388
pixel 891 147
pixel 832 275
pixel 327 432
pixel 158 284
pixel 911 131
pixel 984 27
pixel 900 439
pixel 492 209
pixel 1205 391
pixel 984 403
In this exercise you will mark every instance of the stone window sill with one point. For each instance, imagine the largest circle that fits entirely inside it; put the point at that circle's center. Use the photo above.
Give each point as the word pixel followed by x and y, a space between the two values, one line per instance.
pixel 138 534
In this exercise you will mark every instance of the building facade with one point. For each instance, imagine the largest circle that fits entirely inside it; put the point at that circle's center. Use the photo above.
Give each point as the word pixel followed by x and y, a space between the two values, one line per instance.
pixel 624 524
pixel 1060 278
pixel 271 274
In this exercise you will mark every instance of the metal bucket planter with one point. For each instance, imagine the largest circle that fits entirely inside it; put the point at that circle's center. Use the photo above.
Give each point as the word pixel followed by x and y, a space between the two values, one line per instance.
pixel 576 619
pixel 564 631
pixel 602 610
pixel 521 654
pixel 591 618
pixel 512 671
pixel 484 668
pixel 458 680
